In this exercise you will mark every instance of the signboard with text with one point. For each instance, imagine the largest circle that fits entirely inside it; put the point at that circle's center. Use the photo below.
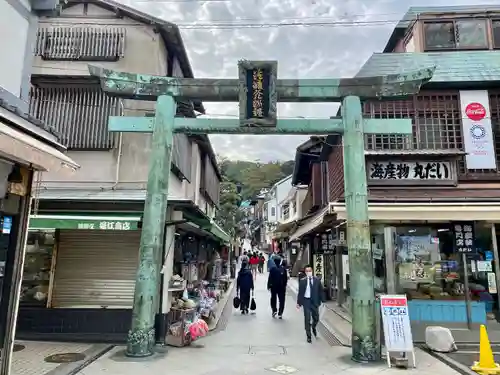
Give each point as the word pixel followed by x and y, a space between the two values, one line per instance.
pixel 463 237
pixel 396 325
pixel 477 130
pixel 83 223
pixel 411 172
pixel 258 97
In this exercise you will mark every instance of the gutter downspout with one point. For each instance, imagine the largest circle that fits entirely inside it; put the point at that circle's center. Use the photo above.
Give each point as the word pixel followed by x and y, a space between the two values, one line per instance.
pixel 119 157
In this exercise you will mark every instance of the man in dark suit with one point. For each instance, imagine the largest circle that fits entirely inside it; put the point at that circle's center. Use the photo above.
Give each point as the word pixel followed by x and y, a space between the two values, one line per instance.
pixel 310 297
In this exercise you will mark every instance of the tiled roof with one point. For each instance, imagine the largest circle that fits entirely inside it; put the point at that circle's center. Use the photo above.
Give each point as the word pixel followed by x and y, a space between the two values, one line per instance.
pixel 463 66
pixel 8 102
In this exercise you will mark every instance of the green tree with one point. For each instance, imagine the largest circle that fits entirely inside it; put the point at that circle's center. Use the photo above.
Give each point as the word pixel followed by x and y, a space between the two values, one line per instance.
pixel 229 215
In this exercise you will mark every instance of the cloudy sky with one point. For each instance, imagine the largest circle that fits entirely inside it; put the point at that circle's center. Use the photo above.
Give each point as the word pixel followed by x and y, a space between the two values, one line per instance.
pixel 302 51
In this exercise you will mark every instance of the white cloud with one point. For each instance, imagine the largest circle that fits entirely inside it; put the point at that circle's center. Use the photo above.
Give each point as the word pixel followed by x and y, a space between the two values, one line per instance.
pixel 301 51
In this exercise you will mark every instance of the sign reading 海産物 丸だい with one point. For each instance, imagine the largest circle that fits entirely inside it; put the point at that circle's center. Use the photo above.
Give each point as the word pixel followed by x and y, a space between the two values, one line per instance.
pixel 258 98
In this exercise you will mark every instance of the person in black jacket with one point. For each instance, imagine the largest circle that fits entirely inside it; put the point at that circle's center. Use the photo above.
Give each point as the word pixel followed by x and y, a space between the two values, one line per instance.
pixel 309 298
pixel 276 284
pixel 244 287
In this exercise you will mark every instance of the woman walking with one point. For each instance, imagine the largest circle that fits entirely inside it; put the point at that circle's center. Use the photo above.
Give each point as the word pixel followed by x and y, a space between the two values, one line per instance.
pixel 244 287
pixel 254 264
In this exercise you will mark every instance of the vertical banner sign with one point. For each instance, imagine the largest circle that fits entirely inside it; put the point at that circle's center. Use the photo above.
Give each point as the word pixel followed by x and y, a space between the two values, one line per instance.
pixel 258 97
pixel 396 324
pixel 463 236
pixel 477 131
pixel 319 264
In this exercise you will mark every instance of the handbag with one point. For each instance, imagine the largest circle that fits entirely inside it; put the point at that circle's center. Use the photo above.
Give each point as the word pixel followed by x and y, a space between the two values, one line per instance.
pixel 236 302
pixel 253 305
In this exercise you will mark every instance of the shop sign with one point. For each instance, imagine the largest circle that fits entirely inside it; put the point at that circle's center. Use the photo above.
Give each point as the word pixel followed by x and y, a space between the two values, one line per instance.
pixel 319 267
pixel 327 243
pixel 105 225
pixel 79 222
pixel 396 322
pixel 477 130
pixel 258 98
pixel 463 235
pixel 412 171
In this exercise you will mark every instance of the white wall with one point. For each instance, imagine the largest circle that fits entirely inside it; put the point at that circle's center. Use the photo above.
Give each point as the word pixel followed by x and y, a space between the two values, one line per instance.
pixel 14 31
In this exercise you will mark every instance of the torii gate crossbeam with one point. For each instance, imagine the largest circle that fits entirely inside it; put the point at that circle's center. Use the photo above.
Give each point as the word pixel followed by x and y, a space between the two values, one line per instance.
pixel 258 90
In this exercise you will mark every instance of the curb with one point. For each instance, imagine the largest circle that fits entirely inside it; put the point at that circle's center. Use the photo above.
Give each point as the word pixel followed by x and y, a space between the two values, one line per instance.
pixel 457 366
pixel 332 337
pixel 221 307
pixel 91 355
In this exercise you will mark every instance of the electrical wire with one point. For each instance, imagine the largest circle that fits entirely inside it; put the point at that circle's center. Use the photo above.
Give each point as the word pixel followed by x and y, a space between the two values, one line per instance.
pixel 231 25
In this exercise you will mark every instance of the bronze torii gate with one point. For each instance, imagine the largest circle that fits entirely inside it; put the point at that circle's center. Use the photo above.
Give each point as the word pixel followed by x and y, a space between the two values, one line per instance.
pixel 258 90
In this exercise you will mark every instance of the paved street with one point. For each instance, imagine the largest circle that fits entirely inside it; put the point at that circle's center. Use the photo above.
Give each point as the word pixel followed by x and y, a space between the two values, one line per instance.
pixel 255 344
pixel 467 354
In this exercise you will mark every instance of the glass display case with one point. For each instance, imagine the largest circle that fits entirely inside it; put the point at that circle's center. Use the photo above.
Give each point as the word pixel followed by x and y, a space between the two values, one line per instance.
pixel 37 267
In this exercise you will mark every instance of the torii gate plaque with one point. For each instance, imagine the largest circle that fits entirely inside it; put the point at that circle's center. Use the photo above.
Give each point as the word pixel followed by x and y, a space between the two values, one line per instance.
pixel 258 90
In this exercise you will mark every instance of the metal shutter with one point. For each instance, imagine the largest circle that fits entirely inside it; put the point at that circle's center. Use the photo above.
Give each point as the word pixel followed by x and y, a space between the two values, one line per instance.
pixel 96 268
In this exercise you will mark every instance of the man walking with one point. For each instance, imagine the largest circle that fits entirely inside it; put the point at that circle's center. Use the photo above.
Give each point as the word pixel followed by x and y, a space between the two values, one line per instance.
pixel 310 297
pixel 276 284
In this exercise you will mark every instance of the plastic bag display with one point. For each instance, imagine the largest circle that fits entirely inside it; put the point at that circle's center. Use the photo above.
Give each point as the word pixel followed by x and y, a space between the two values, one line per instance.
pixel 197 329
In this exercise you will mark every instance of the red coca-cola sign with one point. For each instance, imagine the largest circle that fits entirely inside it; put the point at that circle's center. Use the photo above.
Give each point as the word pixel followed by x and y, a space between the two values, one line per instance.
pixel 475 111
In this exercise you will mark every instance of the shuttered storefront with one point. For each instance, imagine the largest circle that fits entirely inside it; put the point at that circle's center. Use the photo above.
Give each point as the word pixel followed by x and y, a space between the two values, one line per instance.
pixel 96 268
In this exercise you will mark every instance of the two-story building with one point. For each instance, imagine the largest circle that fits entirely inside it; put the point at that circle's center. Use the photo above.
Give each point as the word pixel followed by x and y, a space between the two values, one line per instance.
pixel 85 231
pixel 27 147
pixel 271 207
pixel 434 195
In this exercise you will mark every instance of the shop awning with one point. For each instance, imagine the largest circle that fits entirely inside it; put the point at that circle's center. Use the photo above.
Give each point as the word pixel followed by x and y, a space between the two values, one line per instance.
pixel 207 224
pixel 438 212
pixel 94 222
pixel 310 224
pixel 218 232
pixel 282 230
pixel 28 150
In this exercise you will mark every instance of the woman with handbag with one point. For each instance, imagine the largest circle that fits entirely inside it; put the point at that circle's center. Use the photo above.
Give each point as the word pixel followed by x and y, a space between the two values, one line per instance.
pixel 244 287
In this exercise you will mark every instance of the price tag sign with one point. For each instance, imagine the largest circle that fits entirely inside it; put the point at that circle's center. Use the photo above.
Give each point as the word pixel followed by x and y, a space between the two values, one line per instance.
pixel 396 322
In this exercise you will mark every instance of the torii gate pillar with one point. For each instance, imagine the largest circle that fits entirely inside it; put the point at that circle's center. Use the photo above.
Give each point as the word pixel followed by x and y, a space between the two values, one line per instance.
pixel 258 90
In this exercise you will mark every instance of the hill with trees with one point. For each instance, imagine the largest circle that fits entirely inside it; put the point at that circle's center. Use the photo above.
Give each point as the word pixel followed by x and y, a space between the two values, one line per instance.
pixel 250 177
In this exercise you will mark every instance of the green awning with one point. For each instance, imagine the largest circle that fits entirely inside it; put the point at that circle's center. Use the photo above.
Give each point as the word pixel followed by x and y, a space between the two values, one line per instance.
pixel 93 222
pixel 219 233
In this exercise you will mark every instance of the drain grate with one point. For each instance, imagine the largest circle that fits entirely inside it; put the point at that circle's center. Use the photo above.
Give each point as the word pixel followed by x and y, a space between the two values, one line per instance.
pixel 267 350
pixel 65 358
pixel 328 336
pixel 18 348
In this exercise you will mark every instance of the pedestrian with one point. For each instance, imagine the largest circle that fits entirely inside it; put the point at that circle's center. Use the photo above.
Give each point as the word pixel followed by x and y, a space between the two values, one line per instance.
pixel 276 284
pixel 310 298
pixel 254 264
pixel 244 287
pixel 270 262
pixel 244 258
pixel 262 261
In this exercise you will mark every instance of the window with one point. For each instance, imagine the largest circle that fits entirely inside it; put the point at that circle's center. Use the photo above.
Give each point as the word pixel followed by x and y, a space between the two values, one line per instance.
pixel 456 34
pixel 496 34
pixel 75 43
pixel 273 211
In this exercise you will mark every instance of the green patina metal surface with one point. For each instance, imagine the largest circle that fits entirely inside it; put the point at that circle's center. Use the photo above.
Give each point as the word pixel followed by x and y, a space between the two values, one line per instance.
pixel 231 126
pixel 451 67
pixel 145 87
pixel 365 347
pixel 352 125
pixel 141 337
